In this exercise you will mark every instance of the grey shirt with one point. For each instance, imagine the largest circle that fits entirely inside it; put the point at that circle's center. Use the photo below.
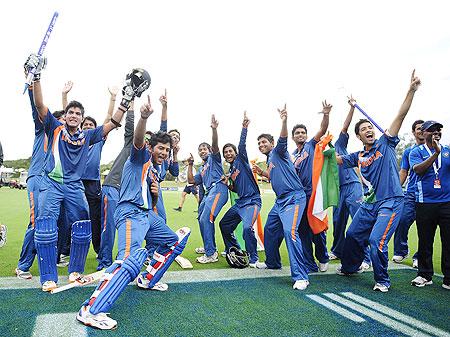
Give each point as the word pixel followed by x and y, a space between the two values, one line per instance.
pixel 115 175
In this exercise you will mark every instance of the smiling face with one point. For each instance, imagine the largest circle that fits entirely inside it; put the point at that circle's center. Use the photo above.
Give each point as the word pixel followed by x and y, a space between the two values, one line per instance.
pixel 418 134
pixel 299 136
pixel 175 137
pixel 74 117
pixel 88 125
pixel 366 133
pixel 264 145
pixel 229 154
pixel 203 151
pixel 160 152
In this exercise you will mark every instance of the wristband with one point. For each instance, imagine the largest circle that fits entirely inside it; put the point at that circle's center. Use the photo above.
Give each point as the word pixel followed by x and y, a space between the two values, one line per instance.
pixel 117 124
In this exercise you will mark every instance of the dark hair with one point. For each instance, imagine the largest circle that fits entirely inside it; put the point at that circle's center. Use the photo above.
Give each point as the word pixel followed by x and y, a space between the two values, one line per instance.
pixel 206 144
pixel 160 137
pixel 267 136
pixel 89 118
pixel 299 126
pixel 229 145
pixel 358 124
pixel 58 114
pixel 419 121
pixel 175 130
pixel 74 104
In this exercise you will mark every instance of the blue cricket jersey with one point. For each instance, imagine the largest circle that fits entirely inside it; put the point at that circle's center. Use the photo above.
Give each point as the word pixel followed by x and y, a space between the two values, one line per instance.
pixel 378 168
pixel 137 178
pixel 92 171
pixel 211 172
pixel 241 175
pixel 425 191
pixel 283 175
pixel 168 164
pixel 303 162
pixel 346 175
pixel 68 156
pixel 411 181
pixel 40 142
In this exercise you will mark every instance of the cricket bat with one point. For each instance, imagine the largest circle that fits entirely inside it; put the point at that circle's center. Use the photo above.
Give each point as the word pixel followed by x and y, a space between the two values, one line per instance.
pixel 183 262
pixel 81 281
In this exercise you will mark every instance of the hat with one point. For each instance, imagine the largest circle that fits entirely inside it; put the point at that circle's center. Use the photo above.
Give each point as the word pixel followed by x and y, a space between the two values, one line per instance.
pixel 429 124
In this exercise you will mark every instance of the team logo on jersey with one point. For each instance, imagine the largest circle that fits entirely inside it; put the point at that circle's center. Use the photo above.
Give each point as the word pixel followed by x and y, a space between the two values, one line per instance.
pixel 300 157
pixel 446 154
pixel 235 174
pixel 367 161
pixel 271 166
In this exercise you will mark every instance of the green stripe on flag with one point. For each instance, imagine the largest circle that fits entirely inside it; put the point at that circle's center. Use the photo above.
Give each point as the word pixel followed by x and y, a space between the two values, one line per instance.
pixel 330 179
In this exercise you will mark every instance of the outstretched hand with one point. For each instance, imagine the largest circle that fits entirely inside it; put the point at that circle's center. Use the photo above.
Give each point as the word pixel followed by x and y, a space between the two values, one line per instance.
pixel 67 87
pixel 283 113
pixel 113 90
pixel 326 108
pixel 351 101
pixel 415 81
pixel 256 169
pixel 190 160
pixel 146 109
pixel 163 99
pixel 246 121
pixel 214 122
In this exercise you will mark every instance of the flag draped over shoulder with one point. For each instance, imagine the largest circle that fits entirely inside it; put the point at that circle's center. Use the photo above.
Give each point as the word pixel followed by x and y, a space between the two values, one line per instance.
pixel 325 185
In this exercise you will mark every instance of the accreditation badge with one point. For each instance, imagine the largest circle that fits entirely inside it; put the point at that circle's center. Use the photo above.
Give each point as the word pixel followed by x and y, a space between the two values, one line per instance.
pixel 437 183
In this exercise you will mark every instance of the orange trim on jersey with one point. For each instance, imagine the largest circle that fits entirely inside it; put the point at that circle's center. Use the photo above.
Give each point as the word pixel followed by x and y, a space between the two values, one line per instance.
pixel 55 136
pixel 294 222
pixel 32 209
pixel 45 142
pixel 105 212
pixel 145 168
pixel 383 238
pixel 127 238
pixel 213 208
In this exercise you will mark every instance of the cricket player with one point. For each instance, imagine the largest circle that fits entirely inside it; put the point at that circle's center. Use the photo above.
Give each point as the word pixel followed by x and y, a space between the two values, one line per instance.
pixel 284 217
pixel 134 217
pixel 303 157
pixel 379 214
pixel 61 183
pixel 409 203
pixel 248 204
pixel 211 176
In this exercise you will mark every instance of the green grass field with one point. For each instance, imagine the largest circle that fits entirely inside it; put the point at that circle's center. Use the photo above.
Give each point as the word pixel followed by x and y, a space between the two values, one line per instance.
pixel 15 214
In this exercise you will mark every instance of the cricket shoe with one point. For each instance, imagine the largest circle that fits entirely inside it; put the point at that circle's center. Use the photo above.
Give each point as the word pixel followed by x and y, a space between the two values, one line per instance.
pixel 381 287
pixel 24 275
pixel 323 267
pixel 332 256
pixel 260 265
pixel 200 250
pixel 253 265
pixel 365 266
pixel 63 261
pixel 3 232
pixel 208 259
pixel 177 209
pixel 341 272
pixel 300 284
pixel 420 282
pixel 99 321
pixel 399 258
pixel 74 276
pixel 49 286
pixel 446 286
pixel 415 263
pixel 142 282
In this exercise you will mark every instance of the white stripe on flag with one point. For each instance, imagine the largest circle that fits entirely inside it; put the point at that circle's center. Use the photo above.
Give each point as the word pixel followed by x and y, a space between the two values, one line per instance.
pixel 396 315
pixel 337 309
pixel 56 325
pixel 377 316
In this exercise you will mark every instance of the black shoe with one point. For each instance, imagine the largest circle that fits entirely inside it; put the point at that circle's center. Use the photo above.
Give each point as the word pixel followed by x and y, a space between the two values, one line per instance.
pixel 177 209
pixel 195 211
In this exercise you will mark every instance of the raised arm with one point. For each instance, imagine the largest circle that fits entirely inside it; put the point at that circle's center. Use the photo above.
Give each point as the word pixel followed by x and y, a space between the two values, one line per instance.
pixel 326 108
pixel 215 138
pixel 129 125
pixel 283 116
pixel 67 87
pixel 398 121
pixel 139 133
pixel 163 100
pixel 190 172
pixel 348 119
pixel 38 63
pixel 242 148
pixel 112 101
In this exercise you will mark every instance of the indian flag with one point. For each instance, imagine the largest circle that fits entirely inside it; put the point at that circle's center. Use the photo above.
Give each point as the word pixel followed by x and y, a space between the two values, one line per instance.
pixel 325 185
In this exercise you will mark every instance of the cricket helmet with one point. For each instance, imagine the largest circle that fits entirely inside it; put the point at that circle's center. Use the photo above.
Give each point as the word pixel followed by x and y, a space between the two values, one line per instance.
pixel 237 258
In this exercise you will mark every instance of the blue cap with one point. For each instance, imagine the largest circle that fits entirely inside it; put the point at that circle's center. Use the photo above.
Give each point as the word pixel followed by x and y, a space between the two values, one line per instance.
pixel 429 124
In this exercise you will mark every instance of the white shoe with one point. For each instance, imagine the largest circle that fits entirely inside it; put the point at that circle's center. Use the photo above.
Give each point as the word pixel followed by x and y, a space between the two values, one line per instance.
pixel 365 266
pixel 99 321
pixel 49 286
pixel 300 284
pixel 223 254
pixel 380 287
pixel 74 276
pixel 420 282
pixel 3 232
pixel 208 259
pixel 331 256
pixel 260 265
pixel 399 258
pixel 142 282
pixel 415 263
pixel 200 250
pixel 323 267
pixel 63 261
pixel 446 286
pixel 253 265
pixel 24 275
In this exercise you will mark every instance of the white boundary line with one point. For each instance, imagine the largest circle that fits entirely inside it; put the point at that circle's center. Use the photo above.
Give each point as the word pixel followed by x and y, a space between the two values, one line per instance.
pixel 396 315
pixel 376 316
pixel 337 309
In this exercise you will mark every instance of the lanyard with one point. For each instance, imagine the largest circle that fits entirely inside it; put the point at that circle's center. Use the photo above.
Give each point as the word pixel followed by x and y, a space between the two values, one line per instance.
pixel 439 164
